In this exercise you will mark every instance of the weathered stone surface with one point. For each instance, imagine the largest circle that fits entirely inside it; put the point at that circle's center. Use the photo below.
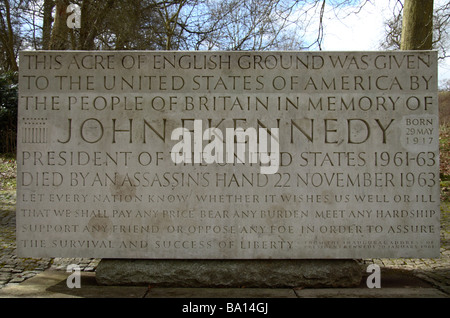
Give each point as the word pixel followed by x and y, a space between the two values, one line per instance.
pixel 356 174
pixel 229 273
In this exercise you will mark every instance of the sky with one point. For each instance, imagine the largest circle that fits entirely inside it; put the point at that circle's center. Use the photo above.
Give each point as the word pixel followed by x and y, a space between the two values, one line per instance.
pixel 364 31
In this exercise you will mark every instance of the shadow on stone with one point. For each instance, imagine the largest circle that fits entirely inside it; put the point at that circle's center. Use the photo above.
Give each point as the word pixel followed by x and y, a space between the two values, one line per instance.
pixel 91 289
pixel 397 278
pixel 230 273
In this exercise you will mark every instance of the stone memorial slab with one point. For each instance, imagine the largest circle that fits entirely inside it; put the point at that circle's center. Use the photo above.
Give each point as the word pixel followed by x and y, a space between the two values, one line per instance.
pixel 228 155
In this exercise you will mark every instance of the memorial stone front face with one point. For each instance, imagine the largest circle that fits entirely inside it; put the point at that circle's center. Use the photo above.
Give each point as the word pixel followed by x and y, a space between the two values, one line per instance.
pixel 228 155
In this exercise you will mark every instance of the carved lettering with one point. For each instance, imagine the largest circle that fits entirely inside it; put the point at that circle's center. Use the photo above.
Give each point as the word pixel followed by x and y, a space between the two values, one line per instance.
pixel 228 155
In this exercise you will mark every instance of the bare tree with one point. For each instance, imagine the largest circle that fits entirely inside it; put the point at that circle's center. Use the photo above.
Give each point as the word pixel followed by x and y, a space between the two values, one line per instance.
pixel 251 25
pixel 8 38
pixel 134 25
pixel 170 14
pixel 440 33
pixel 168 24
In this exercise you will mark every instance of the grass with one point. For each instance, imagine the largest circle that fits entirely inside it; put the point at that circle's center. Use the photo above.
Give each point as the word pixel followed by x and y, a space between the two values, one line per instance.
pixel 8 170
pixel 444 147
pixel 444 144
pixel 445 223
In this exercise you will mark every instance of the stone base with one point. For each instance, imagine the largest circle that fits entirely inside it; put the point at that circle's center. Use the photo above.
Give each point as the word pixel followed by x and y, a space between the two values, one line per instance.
pixel 230 273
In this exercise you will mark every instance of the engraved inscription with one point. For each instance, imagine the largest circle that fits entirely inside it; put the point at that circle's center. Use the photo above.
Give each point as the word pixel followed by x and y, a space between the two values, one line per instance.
pixel 228 155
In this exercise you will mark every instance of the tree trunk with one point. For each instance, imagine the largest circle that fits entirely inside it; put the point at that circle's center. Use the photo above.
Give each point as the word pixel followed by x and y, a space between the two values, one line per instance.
pixel 7 38
pixel 417 26
pixel 47 23
pixel 88 27
pixel 60 33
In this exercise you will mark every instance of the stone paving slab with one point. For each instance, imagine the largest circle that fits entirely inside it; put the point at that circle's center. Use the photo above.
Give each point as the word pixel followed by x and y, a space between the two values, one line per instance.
pixel 52 284
pixel 220 293
pixel 371 293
